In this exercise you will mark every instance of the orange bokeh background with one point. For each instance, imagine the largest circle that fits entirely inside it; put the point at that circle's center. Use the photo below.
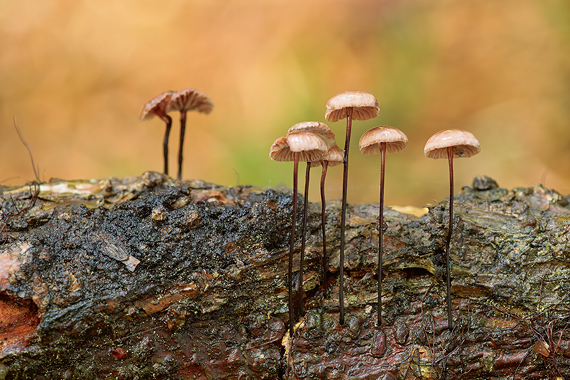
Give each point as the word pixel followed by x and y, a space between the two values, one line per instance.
pixel 76 73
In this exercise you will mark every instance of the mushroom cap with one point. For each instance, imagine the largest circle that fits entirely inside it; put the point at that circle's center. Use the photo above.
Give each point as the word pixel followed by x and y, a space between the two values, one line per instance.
pixel 317 127
pixel 371 141
pixel 308 146
pixel 334 156
pixel 190 99
pixel 157 106
pixel 364 106
pixel 464 144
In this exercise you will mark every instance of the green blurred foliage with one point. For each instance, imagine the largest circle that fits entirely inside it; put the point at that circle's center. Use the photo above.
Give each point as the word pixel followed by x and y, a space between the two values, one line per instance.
pixel 76 73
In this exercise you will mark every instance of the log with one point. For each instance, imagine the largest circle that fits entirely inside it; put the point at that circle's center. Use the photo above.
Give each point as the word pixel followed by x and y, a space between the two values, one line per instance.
pixel 152 278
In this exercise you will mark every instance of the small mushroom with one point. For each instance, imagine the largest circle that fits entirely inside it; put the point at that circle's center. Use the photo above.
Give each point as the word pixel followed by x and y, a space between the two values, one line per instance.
pixel 374 141
pixel 351 105
pixel 333 157
pixel 157 107
pixel 184 101
pixel 322 130
pixel 450 144
pixel 301 146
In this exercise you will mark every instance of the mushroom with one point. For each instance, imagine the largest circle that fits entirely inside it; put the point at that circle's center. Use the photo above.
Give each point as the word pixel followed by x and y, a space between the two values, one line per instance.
pixel 351 105
pixel 158 107
pixel 333 157
pixel 451 144
pixel 184 101
pixel 301 146
pixel 325 132
pixel 374 141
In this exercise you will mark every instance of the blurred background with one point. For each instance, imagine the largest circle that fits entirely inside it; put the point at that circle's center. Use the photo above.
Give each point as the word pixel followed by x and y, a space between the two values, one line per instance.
pixel 76 73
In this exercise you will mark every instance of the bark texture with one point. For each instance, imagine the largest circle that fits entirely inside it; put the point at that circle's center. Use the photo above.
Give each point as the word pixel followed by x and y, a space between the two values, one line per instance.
pixel 151 278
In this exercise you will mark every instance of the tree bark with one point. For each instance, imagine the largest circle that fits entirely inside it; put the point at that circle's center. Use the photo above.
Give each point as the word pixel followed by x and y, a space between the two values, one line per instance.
pixel 148 277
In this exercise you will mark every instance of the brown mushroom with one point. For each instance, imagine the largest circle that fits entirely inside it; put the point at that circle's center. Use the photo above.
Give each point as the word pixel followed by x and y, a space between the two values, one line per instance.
pixel 351 105
pixel 333 157
pixel 382 140
pixel 325 132
pixel 451 144
pixel 301 146
pixel 157 106
pixel 184 101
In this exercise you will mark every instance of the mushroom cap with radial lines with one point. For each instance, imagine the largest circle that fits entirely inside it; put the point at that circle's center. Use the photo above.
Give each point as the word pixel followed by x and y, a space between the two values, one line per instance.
pixel 190 99
pixel 157 106
pixel 464 144
pixel 364 106
pixel 317 127
pixel 308 146
pixel 334 156
pixel 371 140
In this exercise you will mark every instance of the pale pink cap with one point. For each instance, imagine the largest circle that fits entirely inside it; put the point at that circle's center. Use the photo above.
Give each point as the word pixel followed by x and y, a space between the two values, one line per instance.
pixel 364 106
pixel 464 144
pixel 372 140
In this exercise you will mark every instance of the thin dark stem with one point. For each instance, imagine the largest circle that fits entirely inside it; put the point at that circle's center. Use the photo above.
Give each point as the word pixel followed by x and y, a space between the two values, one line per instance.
pixel 343 216
pixel 181 146
pixel 303 229
pixel 168 120
pixel 323 227
pixel 381 232
pixel 448 242
pixel 291 247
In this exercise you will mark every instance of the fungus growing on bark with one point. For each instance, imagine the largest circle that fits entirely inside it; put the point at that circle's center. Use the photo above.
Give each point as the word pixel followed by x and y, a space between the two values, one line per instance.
pixel 333 157
pixel 450 144
pixel 184 101
pixel 382 140
pixel 301 146
pixel 351 105
pixel 322 130
pixel 157 106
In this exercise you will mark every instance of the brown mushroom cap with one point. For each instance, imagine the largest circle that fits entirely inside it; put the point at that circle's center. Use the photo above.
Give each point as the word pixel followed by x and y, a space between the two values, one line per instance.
pixel 371 140
pixel 364 106
pixel 464 144
pixel 334 156
pixel 309 146
pixel 157 106
pixel 317 127
pixel 190 99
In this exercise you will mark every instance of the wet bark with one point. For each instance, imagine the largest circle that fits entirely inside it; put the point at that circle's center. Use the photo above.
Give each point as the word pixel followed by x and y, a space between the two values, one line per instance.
pixel 148 277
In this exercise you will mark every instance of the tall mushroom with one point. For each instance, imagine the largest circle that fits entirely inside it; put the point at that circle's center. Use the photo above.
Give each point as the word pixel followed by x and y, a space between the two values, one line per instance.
pixel 157 106
pixel 184 101
pixel 333 157
pixel 351 105
pixel 325 132
pixel 302 146
pixel 382 140
pixel 451 144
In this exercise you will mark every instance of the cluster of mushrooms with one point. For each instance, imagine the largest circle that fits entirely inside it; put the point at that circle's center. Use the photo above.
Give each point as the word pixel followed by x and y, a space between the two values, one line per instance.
pixel 182 101
pixel 313 142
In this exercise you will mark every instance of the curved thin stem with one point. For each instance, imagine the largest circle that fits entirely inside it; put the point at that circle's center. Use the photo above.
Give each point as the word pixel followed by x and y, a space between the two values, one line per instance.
pixel 168 120
pixel 449 232
pixel 323 227
pixel 303 229
pixel 291 247
pixel 381 231
pixel 181 145
pixel 343 215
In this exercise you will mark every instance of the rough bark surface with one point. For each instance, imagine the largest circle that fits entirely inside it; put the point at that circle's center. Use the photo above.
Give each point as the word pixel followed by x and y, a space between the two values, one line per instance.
pixel 150 278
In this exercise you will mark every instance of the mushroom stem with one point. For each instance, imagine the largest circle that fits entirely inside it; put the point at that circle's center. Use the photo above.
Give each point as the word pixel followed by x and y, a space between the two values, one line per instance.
pixel 180 147
pixel 168 120
pixel 381 230
pixel 303 229
pixel 343 215
pixel 449 232
pixel 323 227
pixel 291 246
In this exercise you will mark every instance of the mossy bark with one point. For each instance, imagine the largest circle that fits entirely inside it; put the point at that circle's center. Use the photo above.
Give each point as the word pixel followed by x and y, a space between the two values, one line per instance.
pixel 147 277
